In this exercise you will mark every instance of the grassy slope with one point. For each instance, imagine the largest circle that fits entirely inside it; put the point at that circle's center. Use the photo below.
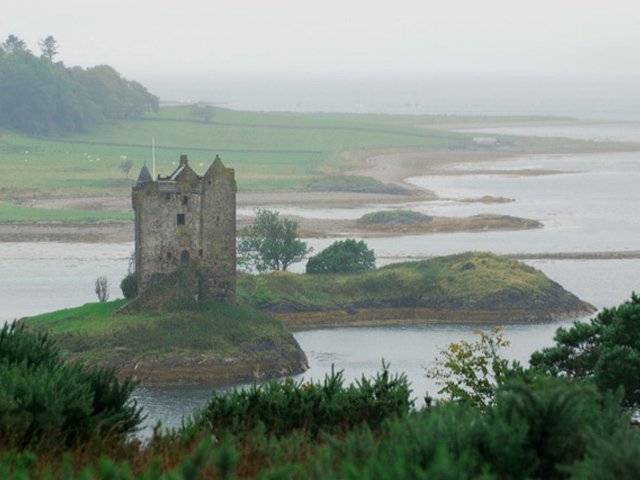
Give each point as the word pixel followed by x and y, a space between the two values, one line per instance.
pixel 95 331
pixel 268 151
pixel 464 281
pixel 469 281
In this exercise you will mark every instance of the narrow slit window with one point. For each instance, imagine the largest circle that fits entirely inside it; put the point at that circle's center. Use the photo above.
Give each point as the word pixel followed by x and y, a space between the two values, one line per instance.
pixel 185 200
pixel 181 219
pixel 168 255
pixel 200 253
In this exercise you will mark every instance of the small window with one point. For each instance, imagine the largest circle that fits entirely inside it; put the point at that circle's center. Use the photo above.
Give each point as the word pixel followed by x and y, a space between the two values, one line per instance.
pixel 181 219
pixel 200 253
pixel 185 200
pixel 168 255
pixel 167 196
pixel 184 257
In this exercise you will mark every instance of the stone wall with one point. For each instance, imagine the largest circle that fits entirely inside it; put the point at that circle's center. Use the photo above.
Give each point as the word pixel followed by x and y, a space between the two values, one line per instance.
pixel 185 220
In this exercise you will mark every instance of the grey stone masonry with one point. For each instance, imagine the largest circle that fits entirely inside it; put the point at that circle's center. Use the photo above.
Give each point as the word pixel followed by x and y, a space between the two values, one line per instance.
pixel 187 220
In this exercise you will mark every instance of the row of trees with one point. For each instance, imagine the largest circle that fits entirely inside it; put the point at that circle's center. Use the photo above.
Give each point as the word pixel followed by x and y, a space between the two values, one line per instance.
pixel 40 96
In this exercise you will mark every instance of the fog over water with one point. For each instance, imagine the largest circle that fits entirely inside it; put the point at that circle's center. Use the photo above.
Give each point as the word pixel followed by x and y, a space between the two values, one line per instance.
pixel 599 97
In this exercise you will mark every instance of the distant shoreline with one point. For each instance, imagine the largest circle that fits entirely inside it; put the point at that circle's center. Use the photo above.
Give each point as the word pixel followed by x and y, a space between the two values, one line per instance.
pixel 391 168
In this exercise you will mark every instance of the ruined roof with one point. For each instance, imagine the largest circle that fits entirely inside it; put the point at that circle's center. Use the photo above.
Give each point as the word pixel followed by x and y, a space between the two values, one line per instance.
pixel 183 173
pixel 176 173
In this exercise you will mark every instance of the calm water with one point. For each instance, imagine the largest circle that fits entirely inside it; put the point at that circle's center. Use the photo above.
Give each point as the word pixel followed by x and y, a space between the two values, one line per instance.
pixel 591 206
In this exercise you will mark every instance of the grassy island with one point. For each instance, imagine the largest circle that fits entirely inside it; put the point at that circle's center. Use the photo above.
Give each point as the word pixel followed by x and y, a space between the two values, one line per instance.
pixel 470 287
pixel 190 343
pixel 209 343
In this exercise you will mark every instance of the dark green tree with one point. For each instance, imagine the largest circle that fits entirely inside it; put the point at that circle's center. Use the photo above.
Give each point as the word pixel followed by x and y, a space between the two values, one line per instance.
pixel 343 256
pixel 42 97
pixel 271 243
pixel 115 96
pixel 607 350
pixel 48 48
pixel 126 166
pixel 203 111
pixel 14 44
pixel 45 400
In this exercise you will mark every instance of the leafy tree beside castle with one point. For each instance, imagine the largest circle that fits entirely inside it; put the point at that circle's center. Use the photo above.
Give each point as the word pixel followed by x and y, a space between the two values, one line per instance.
pixel 40 96
pixel 270 243
pixel 343 256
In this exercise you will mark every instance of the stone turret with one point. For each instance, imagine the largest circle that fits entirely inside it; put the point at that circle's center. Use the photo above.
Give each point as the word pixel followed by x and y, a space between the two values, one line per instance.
pixel 187 221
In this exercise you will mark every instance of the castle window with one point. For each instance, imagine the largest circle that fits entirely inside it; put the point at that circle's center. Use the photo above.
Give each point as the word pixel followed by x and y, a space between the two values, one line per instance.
pixel 185 200
pixel 168 255
pixel 184 257
pixel 200 253
pixel 181 219
pixel 168 195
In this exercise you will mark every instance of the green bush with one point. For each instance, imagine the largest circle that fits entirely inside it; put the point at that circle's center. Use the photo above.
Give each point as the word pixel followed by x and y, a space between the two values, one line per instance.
pixel 280 408
pixel 129 286
pixel 343 256
pixel 43 399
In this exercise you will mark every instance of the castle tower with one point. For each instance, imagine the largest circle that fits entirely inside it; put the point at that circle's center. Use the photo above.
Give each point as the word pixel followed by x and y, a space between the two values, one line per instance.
pixel 184 220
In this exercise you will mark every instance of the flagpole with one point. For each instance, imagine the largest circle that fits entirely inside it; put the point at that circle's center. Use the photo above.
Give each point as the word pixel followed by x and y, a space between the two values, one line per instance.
pixel 153 156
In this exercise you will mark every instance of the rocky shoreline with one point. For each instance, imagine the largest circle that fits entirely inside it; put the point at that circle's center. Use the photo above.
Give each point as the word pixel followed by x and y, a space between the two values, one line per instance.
pixel 254 362
pixel 512 309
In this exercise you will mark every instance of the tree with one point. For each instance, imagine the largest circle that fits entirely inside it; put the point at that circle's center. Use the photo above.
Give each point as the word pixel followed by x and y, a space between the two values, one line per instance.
pixel 606 350
pixel 271 243
pixel 471 371
pixel 125 166
pixel 41 97
pixel 46 399
pixel 14 44
pixel 343 256
pixel 203 111
pixel 48 47
pixel 102 289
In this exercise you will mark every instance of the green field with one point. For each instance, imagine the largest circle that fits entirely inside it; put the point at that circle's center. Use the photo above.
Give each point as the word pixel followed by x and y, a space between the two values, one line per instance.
pixel 270 151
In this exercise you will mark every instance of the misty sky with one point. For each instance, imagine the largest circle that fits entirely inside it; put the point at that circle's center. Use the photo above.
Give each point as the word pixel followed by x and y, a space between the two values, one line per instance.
pixel 336 37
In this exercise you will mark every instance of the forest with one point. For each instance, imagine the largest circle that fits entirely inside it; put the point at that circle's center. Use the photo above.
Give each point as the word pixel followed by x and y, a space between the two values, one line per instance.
pixel 41 96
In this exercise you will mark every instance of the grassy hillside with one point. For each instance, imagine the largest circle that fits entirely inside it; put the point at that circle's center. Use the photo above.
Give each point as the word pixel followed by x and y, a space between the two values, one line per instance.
pixel 94 331
pixel 268 150
pixel 469 281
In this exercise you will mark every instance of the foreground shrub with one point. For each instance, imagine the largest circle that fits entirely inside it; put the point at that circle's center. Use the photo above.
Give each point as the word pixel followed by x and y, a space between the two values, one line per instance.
pixel 545 432
pixel 280 408
pixel 607 350
pixel 44 401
